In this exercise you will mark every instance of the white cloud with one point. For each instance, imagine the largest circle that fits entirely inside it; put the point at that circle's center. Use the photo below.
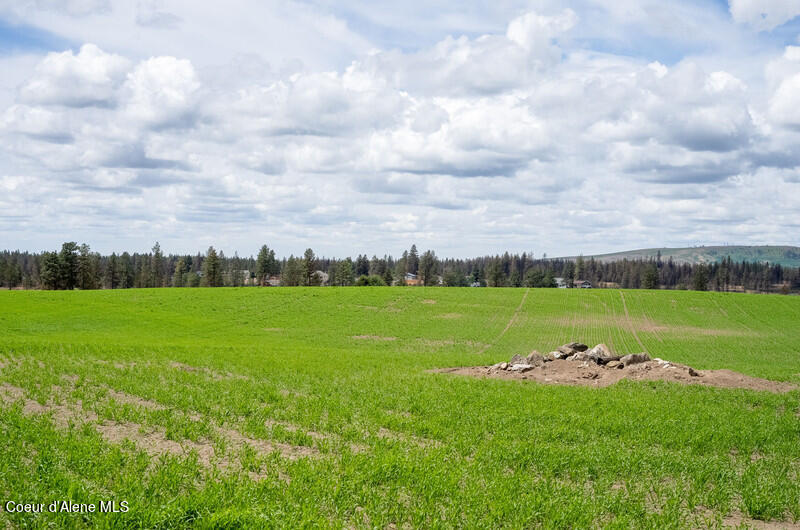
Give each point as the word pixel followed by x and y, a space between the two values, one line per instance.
pixel 161 92
pixel 463 145
pixel 764 14
pixel 87 78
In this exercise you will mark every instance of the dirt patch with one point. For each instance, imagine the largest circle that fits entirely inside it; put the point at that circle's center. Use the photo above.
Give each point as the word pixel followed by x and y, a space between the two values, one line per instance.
pixel 184 367
pixel 125 366
pixel 154 441
pixel 429 302
pixel 129 399
pixel 62 415
pixel 565 372
pixel 387 434
pixel 704 517
pixel 273 329
pixel 372 337
pixel 211 374
pixel 645 325
pixel 449 316
pixel 290 427
pixel 264 447
pixel 443 343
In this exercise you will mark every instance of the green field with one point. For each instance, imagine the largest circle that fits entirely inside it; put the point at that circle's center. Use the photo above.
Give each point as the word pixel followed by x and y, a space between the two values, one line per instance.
pixel 287 407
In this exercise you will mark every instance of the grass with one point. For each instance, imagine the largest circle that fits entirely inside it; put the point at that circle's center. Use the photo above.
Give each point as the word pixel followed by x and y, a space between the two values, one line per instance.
pixel 245 380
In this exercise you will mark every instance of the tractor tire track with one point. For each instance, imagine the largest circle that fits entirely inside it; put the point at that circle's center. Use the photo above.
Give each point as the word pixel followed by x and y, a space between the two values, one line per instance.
pixel 630 323
pixel 510 322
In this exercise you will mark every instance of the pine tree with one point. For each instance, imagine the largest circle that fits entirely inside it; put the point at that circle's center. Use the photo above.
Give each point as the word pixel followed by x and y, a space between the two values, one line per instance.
pixel 50 270
pixel 157 267
pixel 387 275
pixel 68 265
pixel 86 273
pixel 412 262
pixel 651 278
pixel 344 272
pixel 309 267
pixel 212 272
pixel 265 265
pixel 112 272
pixel 180 270
pixel 700 280
pixel 292 274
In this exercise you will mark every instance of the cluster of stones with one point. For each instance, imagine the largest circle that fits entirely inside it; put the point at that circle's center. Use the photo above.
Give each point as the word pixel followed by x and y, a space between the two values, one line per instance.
pixel 574 351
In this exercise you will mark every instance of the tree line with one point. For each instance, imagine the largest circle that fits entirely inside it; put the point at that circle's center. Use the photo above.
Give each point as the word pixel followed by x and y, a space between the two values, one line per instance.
pixel 78 267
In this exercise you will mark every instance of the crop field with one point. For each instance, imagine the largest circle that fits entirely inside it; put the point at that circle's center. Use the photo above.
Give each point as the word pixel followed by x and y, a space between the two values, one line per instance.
pixel 287 407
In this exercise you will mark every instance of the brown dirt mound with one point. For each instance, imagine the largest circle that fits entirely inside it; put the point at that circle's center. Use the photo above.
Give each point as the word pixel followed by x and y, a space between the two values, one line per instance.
pixel 563 372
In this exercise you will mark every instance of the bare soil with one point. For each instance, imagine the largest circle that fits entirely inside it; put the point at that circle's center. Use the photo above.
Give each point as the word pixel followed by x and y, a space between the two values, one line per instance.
pixel 562 372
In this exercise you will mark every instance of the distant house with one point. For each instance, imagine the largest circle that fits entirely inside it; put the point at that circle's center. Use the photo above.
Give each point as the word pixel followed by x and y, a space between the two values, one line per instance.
pixel 323 277
pixel 412 279
pixel 560 283
pixel 273 281
pixel 582 284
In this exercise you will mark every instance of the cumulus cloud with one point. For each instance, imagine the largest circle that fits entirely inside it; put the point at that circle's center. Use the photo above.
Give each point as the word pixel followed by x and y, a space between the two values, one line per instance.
pixel 161 92
pixel 88 78
pixel 462 145
pixel 764 14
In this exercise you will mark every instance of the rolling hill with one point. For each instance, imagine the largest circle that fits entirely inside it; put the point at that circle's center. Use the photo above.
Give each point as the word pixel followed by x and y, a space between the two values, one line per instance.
pixel 786 256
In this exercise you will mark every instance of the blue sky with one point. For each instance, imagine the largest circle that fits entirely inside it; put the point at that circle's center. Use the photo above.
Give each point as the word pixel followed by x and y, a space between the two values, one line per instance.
pixel 355 126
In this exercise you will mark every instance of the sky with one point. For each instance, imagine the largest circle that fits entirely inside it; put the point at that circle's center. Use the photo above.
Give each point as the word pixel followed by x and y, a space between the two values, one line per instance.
pixel 355 126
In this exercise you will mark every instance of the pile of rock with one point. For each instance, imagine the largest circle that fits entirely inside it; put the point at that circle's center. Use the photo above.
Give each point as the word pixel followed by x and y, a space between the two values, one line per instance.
pixel 574 351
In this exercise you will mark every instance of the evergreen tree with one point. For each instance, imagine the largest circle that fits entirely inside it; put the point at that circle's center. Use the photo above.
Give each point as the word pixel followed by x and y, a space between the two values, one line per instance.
pixel 428 265
pixel 157 267
pixel 87 274
pixel 180 270
pixel 212 271
pixel 387 275
pixel 569 274
pixel 68 265
pixel 650 278
pixel 112 272
pixel 494 273
pixel 412 261
pixel 309 267
pixel 50 271
pixel 126 271
pixel 292 274
pixel 580 268
pixel 700 280
pixel 362 266
pixel 344 272
pixel 265 265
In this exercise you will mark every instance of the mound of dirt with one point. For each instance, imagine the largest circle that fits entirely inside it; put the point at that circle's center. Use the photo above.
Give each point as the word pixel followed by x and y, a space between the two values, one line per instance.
pixel 585 369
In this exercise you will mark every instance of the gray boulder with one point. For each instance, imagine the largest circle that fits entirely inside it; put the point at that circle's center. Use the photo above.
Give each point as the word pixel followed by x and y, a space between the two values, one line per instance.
pixel 535 358
pixel 558 354
pixel 521 367
pixel 504 366
pixel 577 346
pixel 517 359
pixel 634 358
pixel 614 364
pixel 602 352
pixel 587 356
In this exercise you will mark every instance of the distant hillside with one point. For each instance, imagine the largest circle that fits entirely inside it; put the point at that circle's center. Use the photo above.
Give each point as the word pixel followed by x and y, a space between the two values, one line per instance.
pixel 784 255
